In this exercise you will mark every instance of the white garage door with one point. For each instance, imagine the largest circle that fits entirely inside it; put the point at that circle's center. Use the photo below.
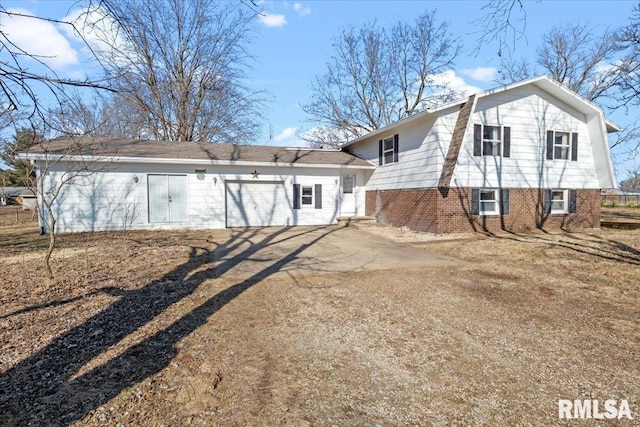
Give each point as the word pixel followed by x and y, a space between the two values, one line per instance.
pixel 257 204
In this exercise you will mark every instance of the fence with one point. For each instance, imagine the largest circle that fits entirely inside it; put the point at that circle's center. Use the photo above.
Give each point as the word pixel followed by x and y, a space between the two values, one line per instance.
pixel 629 200
pixel 15 214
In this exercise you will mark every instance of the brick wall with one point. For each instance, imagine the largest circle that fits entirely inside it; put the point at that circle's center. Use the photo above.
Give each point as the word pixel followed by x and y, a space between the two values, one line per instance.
pixel 433 211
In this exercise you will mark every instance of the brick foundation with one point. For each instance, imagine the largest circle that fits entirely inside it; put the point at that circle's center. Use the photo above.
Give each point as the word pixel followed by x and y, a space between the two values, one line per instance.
pixel 450 212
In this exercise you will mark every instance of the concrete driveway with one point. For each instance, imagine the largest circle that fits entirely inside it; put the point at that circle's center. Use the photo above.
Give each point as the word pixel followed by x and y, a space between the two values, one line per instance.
pixel 261 252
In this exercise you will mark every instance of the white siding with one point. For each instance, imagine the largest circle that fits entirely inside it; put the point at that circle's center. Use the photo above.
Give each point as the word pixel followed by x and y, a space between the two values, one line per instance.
pixel 530 112
pixel 101 200
pixel 419 156
pixel 309 215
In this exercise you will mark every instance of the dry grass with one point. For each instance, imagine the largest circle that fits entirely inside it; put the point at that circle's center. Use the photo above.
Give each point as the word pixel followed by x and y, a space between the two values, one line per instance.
pixel 161 336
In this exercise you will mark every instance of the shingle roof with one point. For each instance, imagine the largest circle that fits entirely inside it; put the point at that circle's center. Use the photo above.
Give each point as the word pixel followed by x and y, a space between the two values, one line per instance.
pixel 149 149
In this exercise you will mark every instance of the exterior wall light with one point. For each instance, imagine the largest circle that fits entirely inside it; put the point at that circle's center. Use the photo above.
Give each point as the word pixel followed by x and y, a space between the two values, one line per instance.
pixel 136 179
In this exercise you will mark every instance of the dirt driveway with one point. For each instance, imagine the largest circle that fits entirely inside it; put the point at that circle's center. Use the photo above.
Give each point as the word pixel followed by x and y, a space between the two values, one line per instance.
pixel 319 326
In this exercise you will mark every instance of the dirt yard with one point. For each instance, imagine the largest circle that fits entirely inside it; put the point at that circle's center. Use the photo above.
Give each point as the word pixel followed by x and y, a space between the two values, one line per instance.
pixel 316 326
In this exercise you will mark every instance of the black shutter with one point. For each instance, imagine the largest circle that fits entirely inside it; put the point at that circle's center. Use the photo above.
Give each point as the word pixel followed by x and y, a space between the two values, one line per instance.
pixel 549 145
pixel 380 153
pixel 504 202
pixel 574 147
pixel 547 201
pixel 573 201
pixel 318 195
pixel 477 140
pixel 475 202
pixel 395 148
pixel 506 144
pixel 296 196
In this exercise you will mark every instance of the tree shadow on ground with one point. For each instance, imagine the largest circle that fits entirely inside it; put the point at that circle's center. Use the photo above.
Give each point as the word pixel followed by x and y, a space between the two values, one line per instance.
pixel 584 243
pixel 44 389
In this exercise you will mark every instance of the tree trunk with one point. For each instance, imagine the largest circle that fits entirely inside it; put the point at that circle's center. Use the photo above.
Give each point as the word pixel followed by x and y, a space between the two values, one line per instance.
pixel 52 245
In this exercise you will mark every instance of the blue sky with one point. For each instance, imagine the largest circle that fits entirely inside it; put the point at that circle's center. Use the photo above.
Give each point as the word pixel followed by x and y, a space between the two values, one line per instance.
pixel 293 44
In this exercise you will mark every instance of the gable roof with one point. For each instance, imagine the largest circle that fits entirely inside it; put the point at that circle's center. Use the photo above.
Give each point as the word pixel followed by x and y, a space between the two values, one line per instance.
pixel 150 151
pixel 544 82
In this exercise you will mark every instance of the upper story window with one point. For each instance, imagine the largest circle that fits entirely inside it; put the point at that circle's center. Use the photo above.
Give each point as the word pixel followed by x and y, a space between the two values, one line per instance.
pixel 562 145
pixel 388 150
pixel 491 140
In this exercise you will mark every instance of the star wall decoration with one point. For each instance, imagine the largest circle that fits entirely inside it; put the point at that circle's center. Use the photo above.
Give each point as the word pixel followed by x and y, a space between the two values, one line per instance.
pixel 255 174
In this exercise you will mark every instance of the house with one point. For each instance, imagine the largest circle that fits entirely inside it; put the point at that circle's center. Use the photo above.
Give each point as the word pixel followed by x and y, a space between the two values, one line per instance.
pixel 528 155
pixel 116 184
pixel 24 196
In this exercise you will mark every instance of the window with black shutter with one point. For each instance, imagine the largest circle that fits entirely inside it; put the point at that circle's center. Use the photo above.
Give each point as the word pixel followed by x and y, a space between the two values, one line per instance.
pixel 490 140
pixel 489 201
pixel 562 145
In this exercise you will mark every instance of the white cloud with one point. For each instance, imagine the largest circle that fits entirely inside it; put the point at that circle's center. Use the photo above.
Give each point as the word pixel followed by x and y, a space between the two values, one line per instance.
pixel 301 10
pixel 289 138
pixel 272 20
pixel 287 133
pixel 39 38
pixel 481 74
pixel 96 29
pixel 452 81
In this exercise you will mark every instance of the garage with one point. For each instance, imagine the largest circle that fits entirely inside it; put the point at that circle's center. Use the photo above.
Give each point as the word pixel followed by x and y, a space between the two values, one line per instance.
pixel 257 204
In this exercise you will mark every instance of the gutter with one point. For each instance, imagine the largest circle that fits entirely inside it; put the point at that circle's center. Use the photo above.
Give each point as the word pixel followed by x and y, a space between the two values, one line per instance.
pixel 173 161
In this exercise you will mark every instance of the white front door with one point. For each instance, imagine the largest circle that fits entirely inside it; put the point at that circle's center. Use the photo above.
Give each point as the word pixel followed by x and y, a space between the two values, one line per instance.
pixel 348 205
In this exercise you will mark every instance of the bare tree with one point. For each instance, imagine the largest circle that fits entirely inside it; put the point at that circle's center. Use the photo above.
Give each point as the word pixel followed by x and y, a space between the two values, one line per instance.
pixel 574 55
pixel 57 163
pixel 628 38
pixel 503 22
pixel 181 63
pixel 604 67
pixel 377 76
pixel 632 183
pixel 104 115
pixel 21 89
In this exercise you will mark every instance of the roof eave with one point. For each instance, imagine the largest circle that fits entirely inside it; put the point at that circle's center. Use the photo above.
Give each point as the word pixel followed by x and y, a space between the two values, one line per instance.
pixel 407 120
pixel 214 162
pixel 611 126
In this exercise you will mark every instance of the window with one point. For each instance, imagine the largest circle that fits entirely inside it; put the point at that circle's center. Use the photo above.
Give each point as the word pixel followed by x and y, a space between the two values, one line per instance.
pixel 562 145
pixel 348 182
pixel 558 201
pixel 491 140
pixel 488 202
pixel 388 150
pixel 306 196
